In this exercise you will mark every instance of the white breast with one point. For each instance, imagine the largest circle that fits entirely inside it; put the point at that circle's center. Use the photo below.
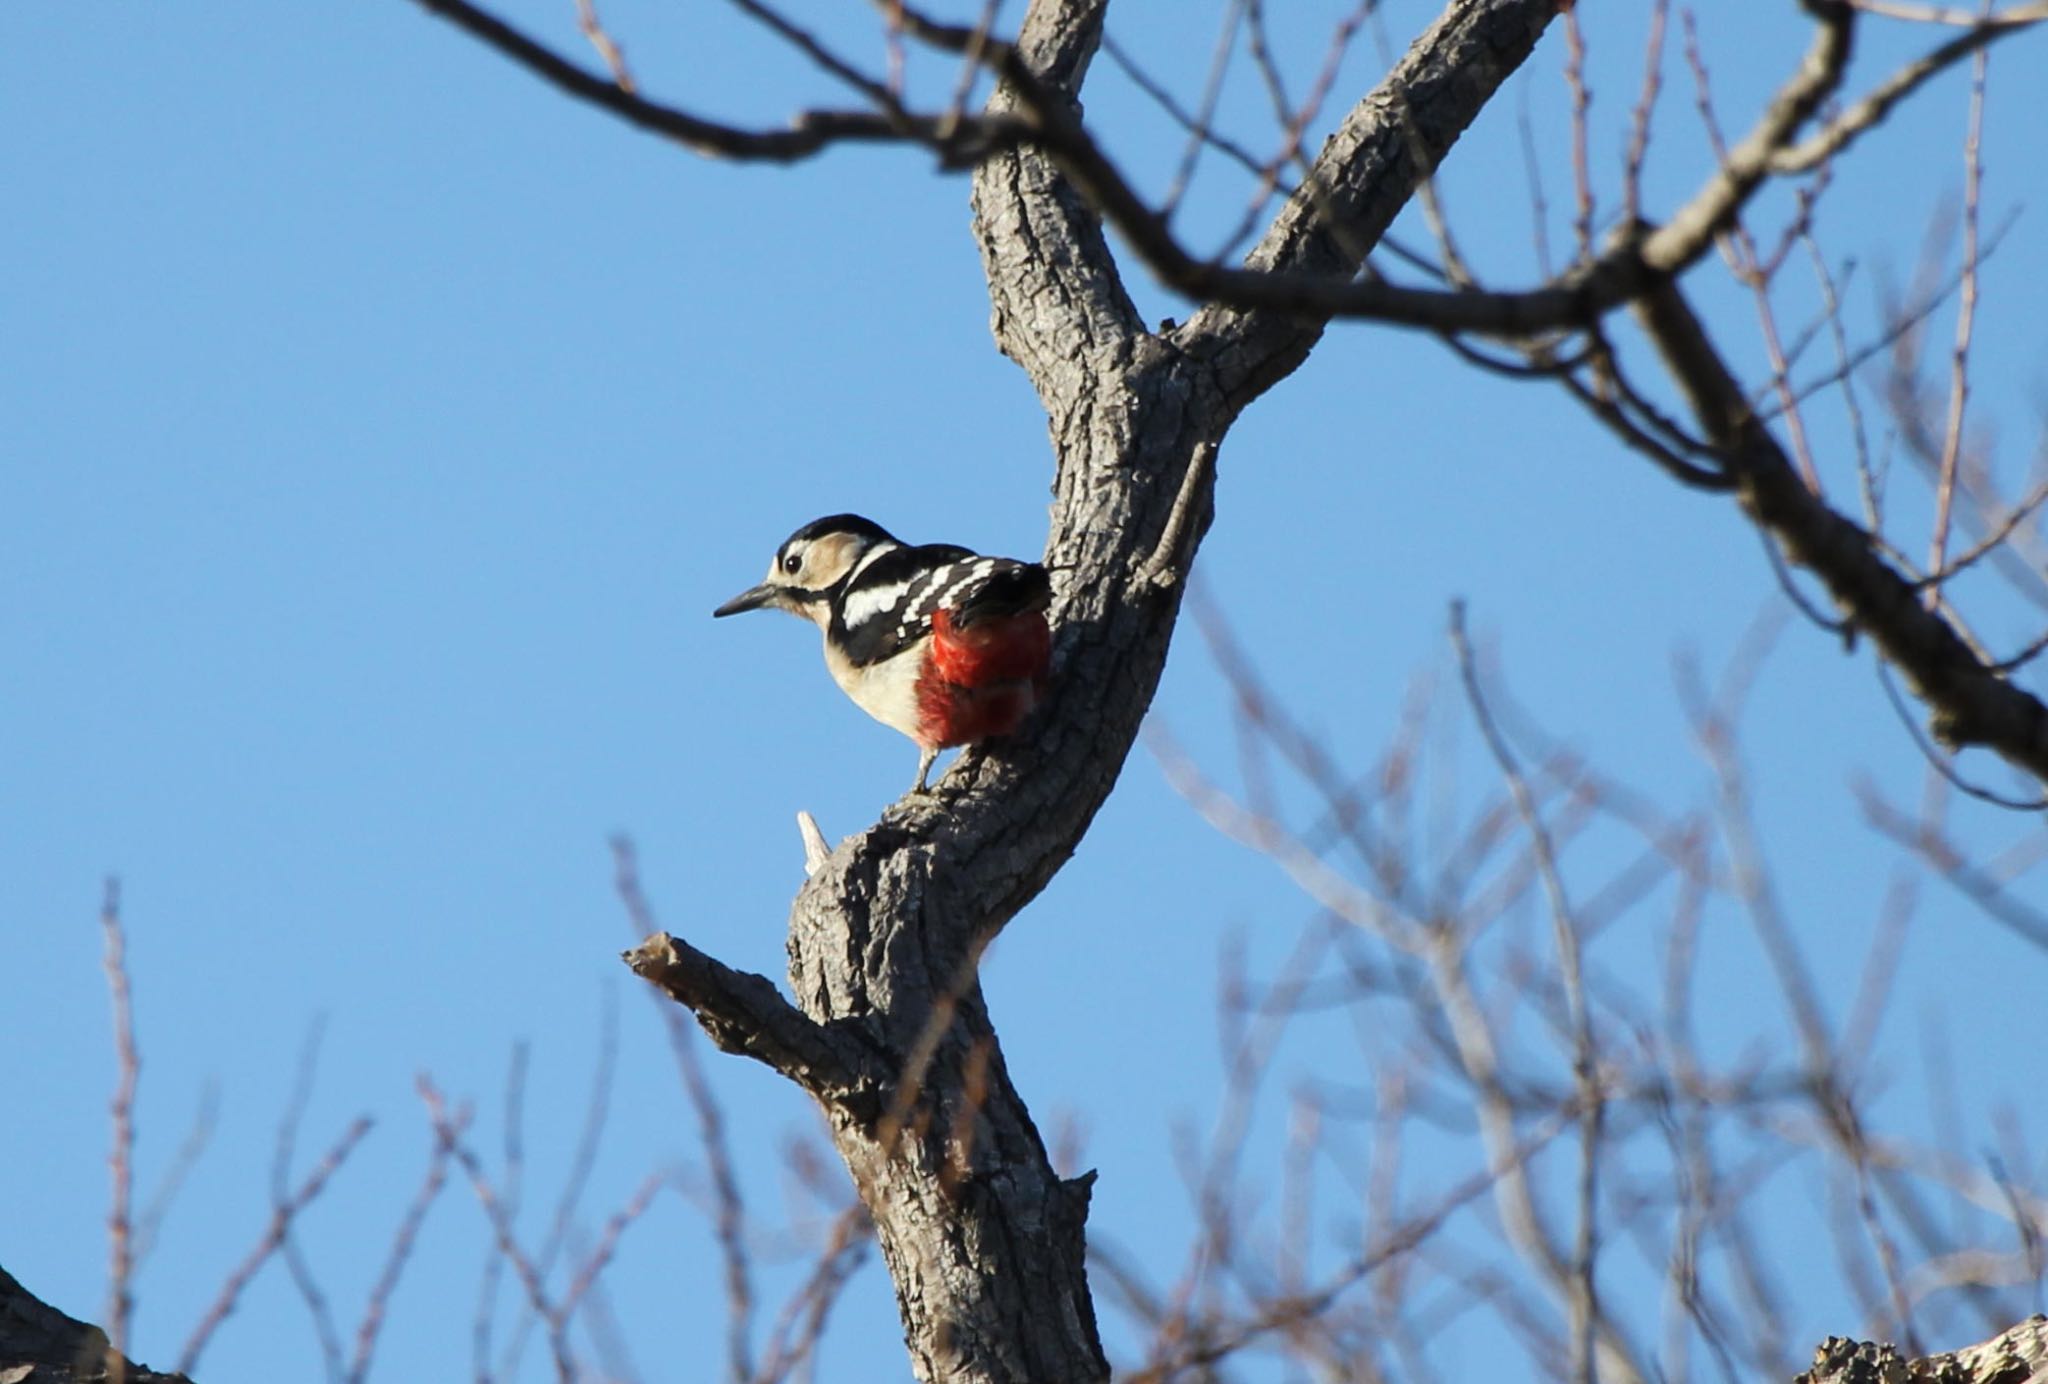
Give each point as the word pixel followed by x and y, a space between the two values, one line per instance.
pixel 886 690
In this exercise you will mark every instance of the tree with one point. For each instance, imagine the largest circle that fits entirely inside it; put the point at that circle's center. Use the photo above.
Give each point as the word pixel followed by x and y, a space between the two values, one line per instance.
pixel 984 1240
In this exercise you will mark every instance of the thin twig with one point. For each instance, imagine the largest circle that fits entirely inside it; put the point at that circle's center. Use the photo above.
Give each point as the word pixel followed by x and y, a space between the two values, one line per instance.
pixel 1581 101
pixel 613 56
pixel 1943 762
pixel 402 1242
pixel 1966 319
pixel 274 1233
pixel 1994 537
pixel 483 1325
pixel 280 1192
pixel 1585 1303
pixel 1865 114
pixel 1532 178
pixel 730 1215
pixel 1750 269
pixel 595 1115
pixel 1200 124
pixel 204 1120
pixel 1640 117
pixel 600 1256
pixel 121 1153
pixel 1902 324
pixel 797 1329
pixel 973 63
pixel 504 1235
pixel 1868 485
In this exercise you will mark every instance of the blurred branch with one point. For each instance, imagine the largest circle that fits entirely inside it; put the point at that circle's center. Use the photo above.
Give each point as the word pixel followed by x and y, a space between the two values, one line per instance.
pixel 149 1224
pixel 402 1242
pixel 1585 1303
pixel 581 1163
pixel 556 1314
pixel 274 1234
pixel 121 1155
pixel 1966 320
pixel 608 50
pixel 729 1213
pixel 295 1261
pixel 794 1338
pixel 1933 848
pixel 1684 1148
pixel 1837 134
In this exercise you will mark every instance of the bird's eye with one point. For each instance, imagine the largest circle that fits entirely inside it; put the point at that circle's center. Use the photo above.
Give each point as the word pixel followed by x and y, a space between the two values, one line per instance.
pixel 793 563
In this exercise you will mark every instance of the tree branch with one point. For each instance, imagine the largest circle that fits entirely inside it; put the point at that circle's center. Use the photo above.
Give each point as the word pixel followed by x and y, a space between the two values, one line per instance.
pixel 744 1013
pixel 810 133
pixel 889 1030
pixel 1058 303
pixel 1386 146
pixel 1839 132
pixel 1973 704
pixel 1368 169
pixel 40 1344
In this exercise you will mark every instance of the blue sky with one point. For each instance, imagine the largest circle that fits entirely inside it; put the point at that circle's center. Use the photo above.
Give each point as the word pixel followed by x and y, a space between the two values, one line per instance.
pixel 378 430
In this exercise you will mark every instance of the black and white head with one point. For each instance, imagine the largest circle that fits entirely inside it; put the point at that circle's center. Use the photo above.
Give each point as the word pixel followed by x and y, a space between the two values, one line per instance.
pixel 811 564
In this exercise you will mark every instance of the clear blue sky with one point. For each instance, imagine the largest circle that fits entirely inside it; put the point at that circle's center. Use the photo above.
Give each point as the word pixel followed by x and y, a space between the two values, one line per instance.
pixel 377 431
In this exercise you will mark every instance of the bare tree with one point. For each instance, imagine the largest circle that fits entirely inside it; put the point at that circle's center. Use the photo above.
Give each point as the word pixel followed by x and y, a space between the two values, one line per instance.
pixel 1522 1121
pixel 1496 1122
pixel 983 1239
pixel 888 1032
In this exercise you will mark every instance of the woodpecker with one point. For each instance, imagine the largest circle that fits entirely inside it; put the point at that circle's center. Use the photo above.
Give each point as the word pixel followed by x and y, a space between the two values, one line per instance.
pixel 939 642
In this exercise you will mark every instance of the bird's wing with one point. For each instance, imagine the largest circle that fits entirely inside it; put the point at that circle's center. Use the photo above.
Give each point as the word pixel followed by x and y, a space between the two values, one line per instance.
pixel 888 607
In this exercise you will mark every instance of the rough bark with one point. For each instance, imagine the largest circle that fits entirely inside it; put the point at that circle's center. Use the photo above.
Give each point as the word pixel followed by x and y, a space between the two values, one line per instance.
pixel 40 1345
pixel 2016 1356
pixel 983 1239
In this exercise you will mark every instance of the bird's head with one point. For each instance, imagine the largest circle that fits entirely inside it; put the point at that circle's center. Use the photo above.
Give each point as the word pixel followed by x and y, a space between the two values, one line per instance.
pixel 810 563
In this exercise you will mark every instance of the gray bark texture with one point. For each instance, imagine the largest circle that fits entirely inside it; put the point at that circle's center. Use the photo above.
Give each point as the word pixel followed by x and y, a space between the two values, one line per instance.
pixel 40 1345
pixel 2017 1356
pixel 983 1239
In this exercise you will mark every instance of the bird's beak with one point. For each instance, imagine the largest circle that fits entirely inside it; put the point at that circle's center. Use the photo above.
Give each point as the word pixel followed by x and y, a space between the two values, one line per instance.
pixel 753 598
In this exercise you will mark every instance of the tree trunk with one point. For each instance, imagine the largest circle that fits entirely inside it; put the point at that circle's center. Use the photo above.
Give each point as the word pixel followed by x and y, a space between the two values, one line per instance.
pixel 984 1241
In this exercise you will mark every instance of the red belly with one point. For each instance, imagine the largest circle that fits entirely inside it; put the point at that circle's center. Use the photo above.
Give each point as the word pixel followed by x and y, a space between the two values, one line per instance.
pixel 983 680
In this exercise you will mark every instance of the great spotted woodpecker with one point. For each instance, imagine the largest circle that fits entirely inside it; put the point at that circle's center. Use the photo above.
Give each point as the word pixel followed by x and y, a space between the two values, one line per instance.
pixel 943 644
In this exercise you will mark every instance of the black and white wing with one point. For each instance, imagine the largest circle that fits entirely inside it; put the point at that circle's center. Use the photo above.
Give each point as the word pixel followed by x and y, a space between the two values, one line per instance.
pixel 888 603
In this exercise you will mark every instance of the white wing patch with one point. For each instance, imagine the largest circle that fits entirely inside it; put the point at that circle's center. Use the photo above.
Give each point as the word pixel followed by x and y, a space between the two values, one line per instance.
pixel 879 620
pixel 911 603
pixel 867 559
pixel 865 605
pixel 950 583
